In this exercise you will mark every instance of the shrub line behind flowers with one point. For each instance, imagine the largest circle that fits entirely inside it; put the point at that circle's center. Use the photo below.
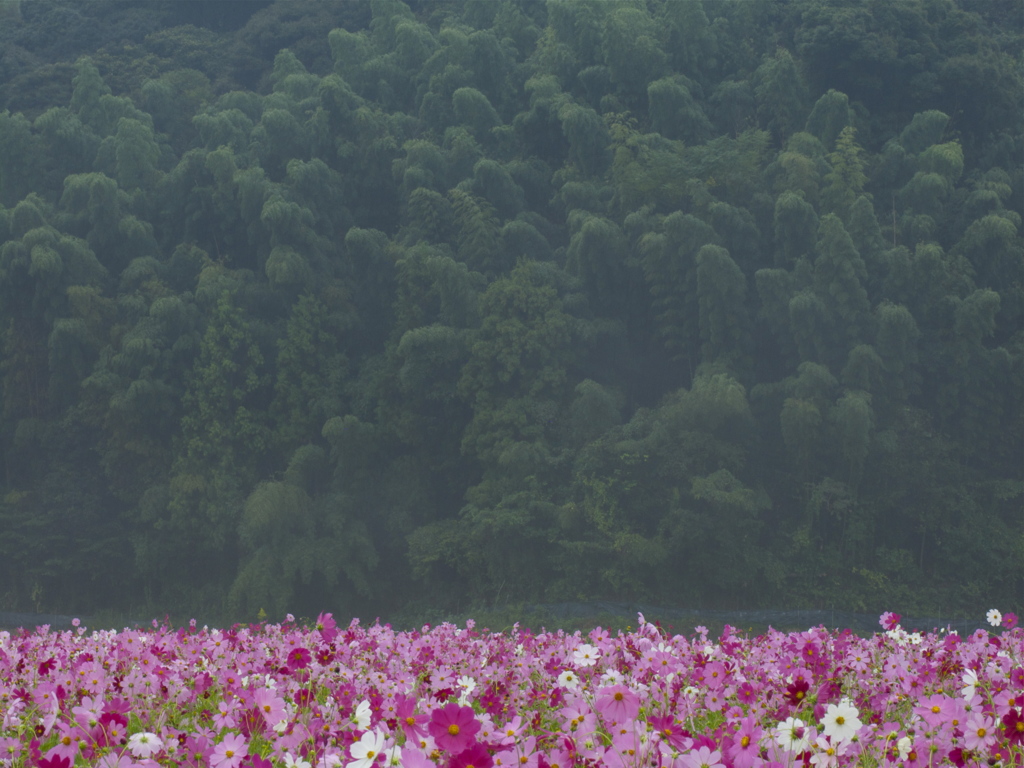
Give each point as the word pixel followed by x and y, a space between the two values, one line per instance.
pixel 362 697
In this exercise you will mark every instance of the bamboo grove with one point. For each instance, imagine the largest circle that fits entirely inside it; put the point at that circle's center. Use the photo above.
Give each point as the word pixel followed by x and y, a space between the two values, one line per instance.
pixel 365 306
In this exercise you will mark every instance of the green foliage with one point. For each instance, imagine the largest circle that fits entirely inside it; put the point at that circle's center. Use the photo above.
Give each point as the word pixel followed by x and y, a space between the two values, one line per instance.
pixel 478 291
pixel 291 535
pixel 722 293
pixel 224 431
pixel 310 370
pixel 847 178
pixel 781 94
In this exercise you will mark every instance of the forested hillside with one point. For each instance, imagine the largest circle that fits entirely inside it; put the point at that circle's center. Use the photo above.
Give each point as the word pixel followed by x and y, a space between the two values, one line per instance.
pixel 359 306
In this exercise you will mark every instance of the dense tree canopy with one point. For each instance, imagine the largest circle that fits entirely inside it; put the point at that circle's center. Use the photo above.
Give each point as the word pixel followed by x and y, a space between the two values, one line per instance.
pixel 369 305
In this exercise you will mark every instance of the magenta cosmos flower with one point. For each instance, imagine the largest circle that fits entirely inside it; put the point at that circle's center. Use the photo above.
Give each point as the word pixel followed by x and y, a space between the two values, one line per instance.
pixel 453 727
pixel 476 756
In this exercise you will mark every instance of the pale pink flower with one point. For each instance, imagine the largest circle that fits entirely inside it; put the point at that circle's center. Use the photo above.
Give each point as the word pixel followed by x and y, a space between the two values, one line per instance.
pixel 229 753
pixel 980 732
pixel 702 757
pixel 617 703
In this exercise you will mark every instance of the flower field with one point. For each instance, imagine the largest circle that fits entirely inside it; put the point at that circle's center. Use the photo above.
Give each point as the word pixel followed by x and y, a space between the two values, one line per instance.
pixel 290 695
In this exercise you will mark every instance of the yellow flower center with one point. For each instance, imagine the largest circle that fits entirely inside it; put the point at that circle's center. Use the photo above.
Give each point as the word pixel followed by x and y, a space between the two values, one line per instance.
pixel 453 730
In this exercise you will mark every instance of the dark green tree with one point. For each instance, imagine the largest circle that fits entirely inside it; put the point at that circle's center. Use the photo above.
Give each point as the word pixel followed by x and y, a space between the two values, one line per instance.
pixel 311 369
pixel 674 113
pixel 597 256
pixel 224 442
pixel 721 296
pixel 829 117
pixel 781 94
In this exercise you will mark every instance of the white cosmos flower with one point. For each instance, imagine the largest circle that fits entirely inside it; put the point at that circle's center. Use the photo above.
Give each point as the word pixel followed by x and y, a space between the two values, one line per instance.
pixel 569 680
pixel 468 685
pixel 586 655
pixel 970 680
pixel 903 745
pixel 393 756
pixel 612 677
pixel 792 734
pixel 362 716
pixel 144 745
pixel 995 618
pixel 366 750
pixel 841 721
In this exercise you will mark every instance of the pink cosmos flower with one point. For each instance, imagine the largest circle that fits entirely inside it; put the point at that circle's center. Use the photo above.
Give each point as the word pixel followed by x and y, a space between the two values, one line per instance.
pixel 670 731
pixel 715 675
pixel 980 732
pixel 113 760
pixel 826 754
pixel 229 753
pixel 223 719
pixel 87 714
pixel 195 752
pixel 327 627
pixel 412 725
pixel 111 729
pixel 556 758
pixel 453 727
pixel 69 741
pixel 1009 620
pixel 10 750
pixel 414 759
pixel 270 705
pixel 744 750
pixel 702 758
pixel 934 709
pixel 889 620
pixel 617 703
pixel 511 731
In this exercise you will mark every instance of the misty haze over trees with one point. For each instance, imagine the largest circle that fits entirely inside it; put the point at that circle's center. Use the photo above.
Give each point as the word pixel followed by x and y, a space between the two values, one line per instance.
pixel 363 306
